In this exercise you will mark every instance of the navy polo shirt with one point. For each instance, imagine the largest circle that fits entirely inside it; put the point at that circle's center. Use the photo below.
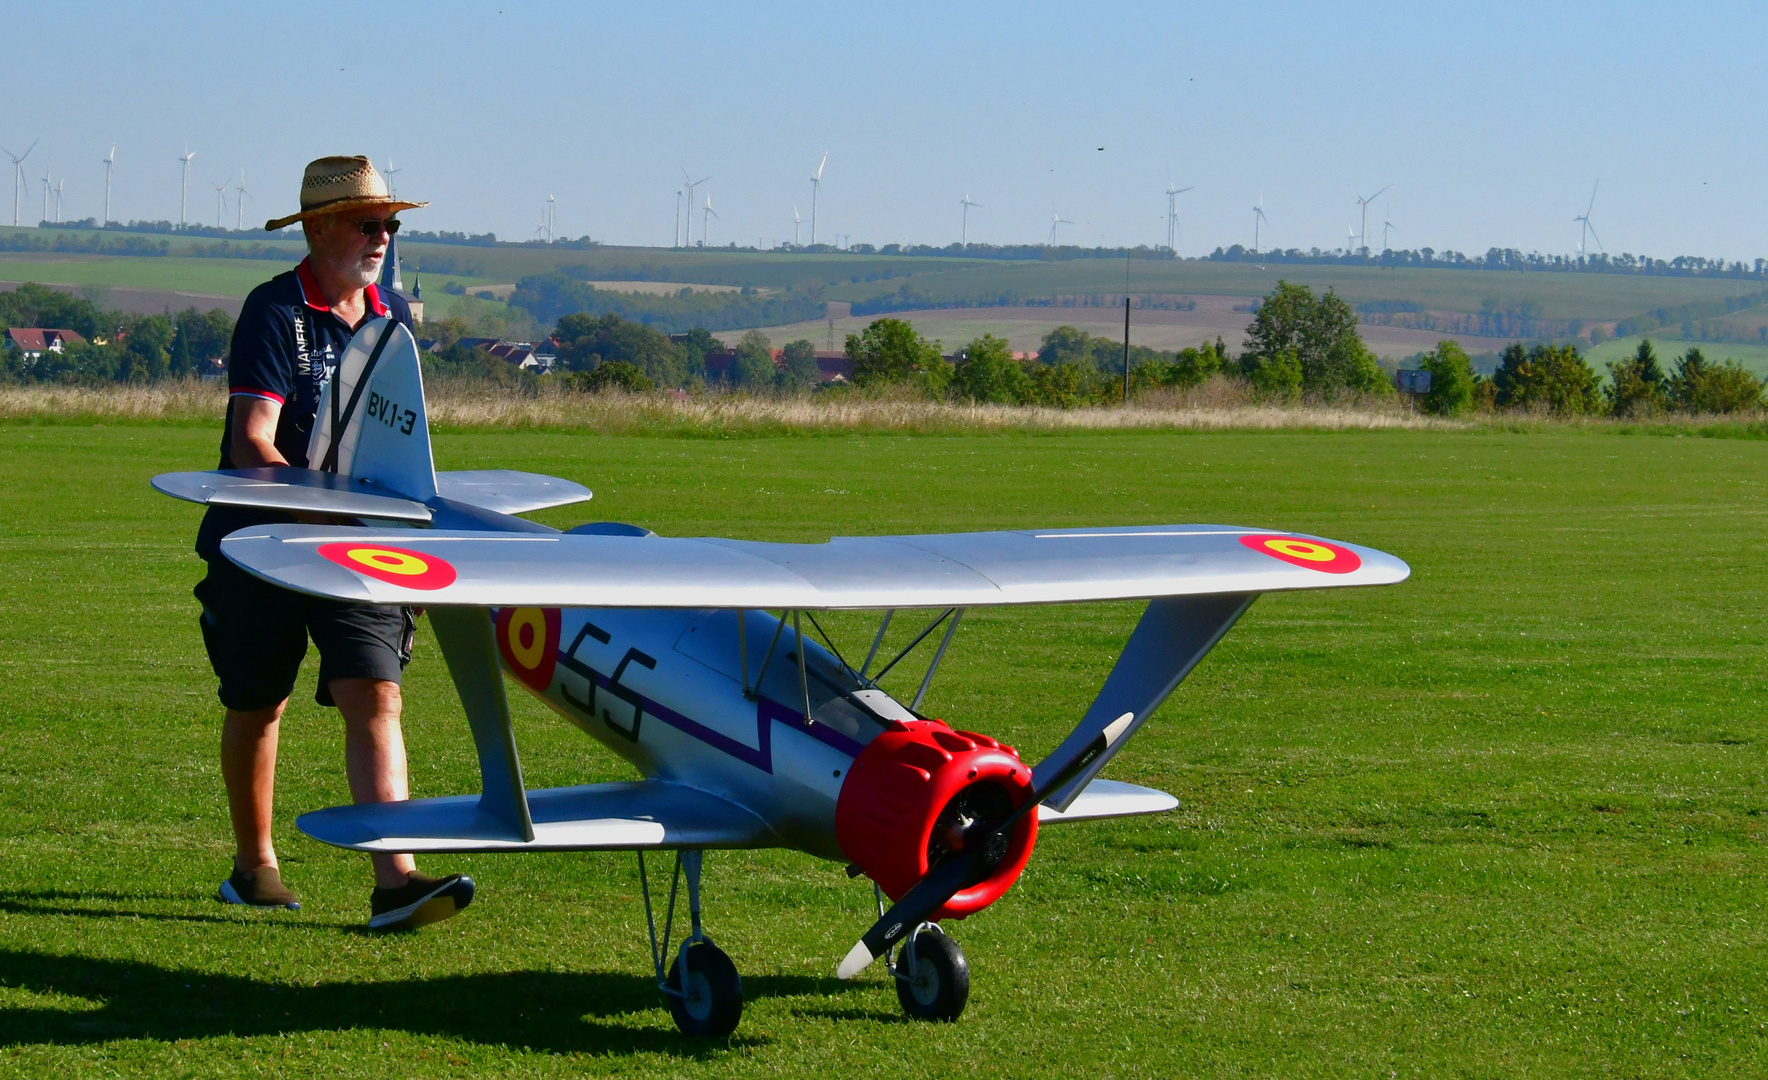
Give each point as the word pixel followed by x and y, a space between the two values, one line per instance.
pixel 285 346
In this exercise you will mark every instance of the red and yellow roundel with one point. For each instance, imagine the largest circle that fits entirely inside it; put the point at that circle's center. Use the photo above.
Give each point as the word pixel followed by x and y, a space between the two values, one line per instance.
pixel 393 565
pixel 529 640
pixel 1318 555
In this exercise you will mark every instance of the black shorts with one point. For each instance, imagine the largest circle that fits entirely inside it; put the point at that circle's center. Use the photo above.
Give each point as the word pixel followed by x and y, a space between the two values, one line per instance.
pixel 256 634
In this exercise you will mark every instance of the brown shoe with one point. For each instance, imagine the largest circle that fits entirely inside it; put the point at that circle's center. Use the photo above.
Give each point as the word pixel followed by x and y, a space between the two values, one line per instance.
pixel 262 888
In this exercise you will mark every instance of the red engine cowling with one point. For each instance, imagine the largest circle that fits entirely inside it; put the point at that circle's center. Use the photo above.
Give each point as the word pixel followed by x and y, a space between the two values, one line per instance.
pixel 909 796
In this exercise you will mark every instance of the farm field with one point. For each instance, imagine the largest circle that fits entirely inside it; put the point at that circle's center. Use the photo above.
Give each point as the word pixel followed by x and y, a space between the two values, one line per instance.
pixel 1510 817
pixel 1670 349
pixel 1025 327
pixel 857 277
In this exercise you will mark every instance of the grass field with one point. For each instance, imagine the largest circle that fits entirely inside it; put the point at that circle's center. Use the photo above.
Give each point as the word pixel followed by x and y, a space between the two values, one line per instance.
pixel 1504 819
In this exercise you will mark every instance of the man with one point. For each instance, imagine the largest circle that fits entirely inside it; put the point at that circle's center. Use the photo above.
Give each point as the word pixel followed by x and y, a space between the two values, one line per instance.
pixel 289 338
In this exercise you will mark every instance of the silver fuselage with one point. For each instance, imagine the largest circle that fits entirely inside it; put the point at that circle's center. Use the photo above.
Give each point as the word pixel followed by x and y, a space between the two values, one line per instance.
pixel 664 689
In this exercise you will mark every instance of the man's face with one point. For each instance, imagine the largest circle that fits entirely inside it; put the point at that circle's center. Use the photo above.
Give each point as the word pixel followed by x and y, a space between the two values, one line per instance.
pixel 337 241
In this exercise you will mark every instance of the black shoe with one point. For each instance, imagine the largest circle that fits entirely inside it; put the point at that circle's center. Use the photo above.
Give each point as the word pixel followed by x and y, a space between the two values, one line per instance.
pixel 422 900
pixel 262 888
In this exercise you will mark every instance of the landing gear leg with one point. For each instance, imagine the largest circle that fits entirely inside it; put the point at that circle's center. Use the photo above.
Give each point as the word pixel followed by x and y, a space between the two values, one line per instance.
pixel 932 976
pixel 702 987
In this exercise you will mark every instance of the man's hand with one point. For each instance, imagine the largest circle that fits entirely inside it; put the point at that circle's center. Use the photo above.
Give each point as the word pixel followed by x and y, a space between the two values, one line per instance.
pixel 254 433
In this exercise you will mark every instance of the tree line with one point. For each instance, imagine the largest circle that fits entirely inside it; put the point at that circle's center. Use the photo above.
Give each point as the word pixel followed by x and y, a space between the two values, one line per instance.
pixel 118 347
pixel 1502 259
pixel 1298 346
pixel 1557 380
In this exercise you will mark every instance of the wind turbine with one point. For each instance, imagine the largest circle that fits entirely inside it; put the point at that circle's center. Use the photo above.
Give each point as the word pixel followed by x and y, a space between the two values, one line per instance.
pixel 689 184
pixel 109 161
pixel 1589 230
pixel 1172 211
pixel 45 194
pixel 18 175
pixel 796 221
pixel 552 216
pixel 1385 226
pixel 706 220
pixel 1363 205
pixel 184 188
pixel 392 188
pixel 816 185
pixel 239 202
pixel 1258 216
pixel 220 200
pixel 1055 220
pixel 1350 240
pixel 58 186
pixel 964 234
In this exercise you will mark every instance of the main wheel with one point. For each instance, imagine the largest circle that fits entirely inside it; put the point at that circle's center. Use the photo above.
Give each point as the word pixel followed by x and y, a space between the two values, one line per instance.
pixel 940 985
pixel 712 1002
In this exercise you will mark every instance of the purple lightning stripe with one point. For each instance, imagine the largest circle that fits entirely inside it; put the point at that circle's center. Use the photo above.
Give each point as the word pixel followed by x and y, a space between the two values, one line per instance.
pixel 767 713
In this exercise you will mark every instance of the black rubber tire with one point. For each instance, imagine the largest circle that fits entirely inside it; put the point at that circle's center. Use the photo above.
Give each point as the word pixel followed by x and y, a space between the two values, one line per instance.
pixel 941 986
pixel 715 993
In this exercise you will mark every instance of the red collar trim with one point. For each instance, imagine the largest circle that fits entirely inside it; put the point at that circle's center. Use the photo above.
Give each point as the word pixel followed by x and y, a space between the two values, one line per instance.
pixel 314 297
pixel 311 294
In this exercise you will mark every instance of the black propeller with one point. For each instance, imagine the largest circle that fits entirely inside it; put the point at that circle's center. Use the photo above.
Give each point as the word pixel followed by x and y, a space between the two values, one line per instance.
pixel 973 862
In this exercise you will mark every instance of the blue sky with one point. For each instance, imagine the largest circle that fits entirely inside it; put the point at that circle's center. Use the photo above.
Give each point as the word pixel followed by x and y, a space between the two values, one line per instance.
pixel 1490 122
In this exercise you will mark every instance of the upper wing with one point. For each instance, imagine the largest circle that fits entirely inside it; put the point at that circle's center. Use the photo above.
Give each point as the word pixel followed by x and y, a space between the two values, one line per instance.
pixel 607 817
pixel 951 570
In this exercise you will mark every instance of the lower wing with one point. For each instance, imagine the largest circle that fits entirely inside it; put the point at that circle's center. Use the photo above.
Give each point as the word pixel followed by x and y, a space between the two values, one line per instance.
pixel 632 816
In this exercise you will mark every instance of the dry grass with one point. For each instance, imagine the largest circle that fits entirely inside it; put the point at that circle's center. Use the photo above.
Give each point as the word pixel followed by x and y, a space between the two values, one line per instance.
pixel 469 406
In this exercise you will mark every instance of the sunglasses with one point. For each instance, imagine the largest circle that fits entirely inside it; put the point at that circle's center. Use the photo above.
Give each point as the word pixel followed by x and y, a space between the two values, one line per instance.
pixel 371 227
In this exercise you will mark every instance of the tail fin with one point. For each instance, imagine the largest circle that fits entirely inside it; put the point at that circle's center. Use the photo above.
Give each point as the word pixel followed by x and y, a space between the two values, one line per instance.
pixel 372 423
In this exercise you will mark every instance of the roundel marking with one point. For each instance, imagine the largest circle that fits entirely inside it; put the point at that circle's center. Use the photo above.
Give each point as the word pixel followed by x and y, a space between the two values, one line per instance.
pixel 1321 555
pixel 393 565
pixel 528 638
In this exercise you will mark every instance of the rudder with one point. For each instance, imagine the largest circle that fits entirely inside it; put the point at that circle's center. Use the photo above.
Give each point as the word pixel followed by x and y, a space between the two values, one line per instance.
pixel 376 399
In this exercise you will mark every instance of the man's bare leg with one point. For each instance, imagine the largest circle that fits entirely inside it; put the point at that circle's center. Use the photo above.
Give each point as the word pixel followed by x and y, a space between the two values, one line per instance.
pixel 248 767
pixel 374 757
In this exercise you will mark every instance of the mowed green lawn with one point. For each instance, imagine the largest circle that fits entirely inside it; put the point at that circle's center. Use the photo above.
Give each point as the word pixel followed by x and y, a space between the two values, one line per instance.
pixel 1504 819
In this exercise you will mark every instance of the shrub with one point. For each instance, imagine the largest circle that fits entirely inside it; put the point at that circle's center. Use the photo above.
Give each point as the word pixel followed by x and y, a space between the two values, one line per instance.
pixel 613 375
pixel 1451 380
pixel 801 368
pixel 1553 378
pixel 1320 333
pixel 754 368
pixel 1066 385
pixel 1636 385
pixel 1276 378
pixel 588 341
pixel 1703 387
pixel 890 352
pixel 988 373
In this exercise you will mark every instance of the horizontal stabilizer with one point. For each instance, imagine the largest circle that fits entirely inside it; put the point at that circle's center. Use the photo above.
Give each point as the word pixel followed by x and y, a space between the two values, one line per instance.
pixel 507 491
pixel 286 489
pixel 628 816
pixel 1108 799
pixel 936 570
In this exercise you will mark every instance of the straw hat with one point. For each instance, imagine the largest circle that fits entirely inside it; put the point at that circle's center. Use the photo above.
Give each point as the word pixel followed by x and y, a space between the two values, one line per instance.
pixel 332 184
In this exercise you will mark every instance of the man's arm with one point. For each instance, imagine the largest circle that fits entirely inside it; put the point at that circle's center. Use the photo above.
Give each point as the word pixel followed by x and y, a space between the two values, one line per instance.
pixel 254 432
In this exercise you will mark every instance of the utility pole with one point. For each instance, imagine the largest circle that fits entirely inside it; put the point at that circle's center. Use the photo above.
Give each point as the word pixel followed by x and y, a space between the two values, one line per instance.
pixel 1126 329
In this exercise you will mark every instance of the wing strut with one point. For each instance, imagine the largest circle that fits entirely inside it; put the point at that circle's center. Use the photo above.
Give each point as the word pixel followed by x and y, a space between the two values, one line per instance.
pixel 468 644
pixel 933 666
pixel 1174 634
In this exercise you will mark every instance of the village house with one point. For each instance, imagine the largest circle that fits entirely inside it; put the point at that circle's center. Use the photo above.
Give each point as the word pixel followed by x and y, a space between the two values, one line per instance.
pixel 34 341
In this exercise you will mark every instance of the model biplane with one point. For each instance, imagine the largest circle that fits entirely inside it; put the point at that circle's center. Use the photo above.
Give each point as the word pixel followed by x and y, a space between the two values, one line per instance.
pixel 746 730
